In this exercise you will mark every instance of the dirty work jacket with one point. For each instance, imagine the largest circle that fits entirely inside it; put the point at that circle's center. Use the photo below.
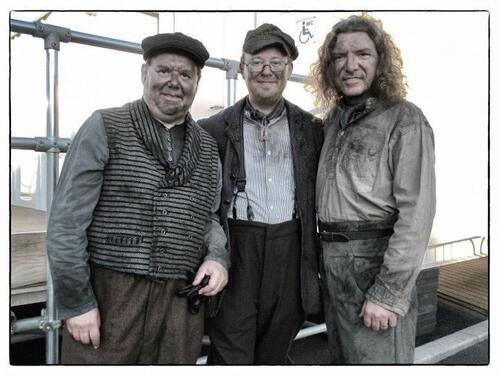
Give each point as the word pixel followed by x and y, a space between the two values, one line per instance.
pixel 306 140
pixel 380 163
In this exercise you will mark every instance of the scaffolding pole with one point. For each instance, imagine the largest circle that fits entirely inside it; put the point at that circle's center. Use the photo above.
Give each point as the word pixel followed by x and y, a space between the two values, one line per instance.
pixel 30 28
pixel 53 145
pixel 51 48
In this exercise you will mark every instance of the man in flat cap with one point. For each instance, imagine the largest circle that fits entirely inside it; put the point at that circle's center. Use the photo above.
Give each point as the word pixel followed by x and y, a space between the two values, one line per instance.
pixel 133 219
pixel 269 149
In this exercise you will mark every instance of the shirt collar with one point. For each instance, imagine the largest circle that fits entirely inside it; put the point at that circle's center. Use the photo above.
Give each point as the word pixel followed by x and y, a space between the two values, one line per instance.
pixel 256 115
pixel 169 125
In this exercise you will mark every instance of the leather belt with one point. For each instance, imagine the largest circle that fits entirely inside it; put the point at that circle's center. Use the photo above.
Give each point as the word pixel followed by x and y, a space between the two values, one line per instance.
pixel 345 236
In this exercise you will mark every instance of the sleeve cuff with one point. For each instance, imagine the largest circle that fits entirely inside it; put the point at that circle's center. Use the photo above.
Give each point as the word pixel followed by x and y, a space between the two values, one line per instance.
pixel 221 260
pixel 67 313
pixel 381 295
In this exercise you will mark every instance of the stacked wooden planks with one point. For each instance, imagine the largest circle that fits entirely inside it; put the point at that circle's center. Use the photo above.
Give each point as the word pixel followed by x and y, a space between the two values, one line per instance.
pixel 28 248
pixel 466 283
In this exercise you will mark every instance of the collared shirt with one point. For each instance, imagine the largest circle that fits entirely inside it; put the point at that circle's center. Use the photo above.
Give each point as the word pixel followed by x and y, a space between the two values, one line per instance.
pixel 375 163
pixel 173 142
pixel 172 137
pixel 270 184
pixel 78 191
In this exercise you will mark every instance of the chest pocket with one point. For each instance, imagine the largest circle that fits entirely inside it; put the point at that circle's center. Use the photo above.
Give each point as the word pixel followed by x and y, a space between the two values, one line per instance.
pixel 360 160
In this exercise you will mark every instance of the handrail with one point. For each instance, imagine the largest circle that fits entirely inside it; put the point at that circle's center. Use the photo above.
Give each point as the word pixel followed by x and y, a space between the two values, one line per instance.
pixel 33 28
pixel 453 241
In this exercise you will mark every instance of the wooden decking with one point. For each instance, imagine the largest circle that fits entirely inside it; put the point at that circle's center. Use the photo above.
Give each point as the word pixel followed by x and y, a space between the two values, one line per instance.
pixel 466 283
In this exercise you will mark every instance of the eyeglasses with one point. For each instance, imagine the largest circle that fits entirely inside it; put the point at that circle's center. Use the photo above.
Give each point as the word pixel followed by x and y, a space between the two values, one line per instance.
pixel 258 66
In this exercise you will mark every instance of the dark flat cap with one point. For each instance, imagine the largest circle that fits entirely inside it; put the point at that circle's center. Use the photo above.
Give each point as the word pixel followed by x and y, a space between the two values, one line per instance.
pixel 266 35
pixel 175 42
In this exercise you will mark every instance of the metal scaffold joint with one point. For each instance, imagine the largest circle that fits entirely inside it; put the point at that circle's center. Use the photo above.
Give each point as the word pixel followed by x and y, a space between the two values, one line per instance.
pixel 52 35
pixel 48 325
pixel 232 67
pixel 51 144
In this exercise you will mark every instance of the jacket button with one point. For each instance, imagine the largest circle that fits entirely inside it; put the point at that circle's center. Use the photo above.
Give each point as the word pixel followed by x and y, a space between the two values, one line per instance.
pixel 227 202
pixel 164 211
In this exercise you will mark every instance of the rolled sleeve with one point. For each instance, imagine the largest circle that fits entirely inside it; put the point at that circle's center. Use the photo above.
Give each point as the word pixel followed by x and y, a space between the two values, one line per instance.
pixel 414 190
pixel 214 238
pixel 76 196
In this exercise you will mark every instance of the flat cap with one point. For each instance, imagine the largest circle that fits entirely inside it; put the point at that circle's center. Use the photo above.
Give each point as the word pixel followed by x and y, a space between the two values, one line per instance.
pixel 177 43
pixel 267 35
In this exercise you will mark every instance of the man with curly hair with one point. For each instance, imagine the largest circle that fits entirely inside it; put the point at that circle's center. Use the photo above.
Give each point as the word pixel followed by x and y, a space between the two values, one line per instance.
pixel 375 194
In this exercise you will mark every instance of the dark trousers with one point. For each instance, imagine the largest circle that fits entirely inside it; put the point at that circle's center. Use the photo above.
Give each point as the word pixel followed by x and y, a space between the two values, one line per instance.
pixel 142 322
pixel 261 311
pixel 349 269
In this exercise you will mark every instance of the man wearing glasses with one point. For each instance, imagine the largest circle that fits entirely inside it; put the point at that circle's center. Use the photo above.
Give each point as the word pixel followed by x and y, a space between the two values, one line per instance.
pixel 269 149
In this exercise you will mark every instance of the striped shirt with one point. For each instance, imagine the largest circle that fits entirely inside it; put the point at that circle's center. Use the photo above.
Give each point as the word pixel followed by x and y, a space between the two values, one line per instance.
pixel 270 183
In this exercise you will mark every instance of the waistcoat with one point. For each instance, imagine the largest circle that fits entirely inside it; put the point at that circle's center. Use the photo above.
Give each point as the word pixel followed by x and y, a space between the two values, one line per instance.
pixel 151 216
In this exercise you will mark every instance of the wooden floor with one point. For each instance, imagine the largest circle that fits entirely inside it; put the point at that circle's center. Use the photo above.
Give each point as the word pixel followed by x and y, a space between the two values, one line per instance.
pixel 466 283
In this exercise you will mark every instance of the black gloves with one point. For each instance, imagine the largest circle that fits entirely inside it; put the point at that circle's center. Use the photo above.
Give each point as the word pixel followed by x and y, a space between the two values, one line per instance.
pixel 191 293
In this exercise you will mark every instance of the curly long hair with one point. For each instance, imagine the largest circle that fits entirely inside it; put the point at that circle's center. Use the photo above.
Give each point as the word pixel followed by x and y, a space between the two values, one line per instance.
pixel 389 83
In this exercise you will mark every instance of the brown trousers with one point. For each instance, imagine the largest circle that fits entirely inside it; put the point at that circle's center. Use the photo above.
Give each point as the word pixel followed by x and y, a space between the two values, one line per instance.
pixel 261 311
pixel 142 322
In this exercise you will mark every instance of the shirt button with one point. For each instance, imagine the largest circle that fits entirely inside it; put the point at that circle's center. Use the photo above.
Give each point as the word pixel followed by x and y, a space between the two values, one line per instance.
pixel 269 152
pixel 163 232
pixel 270 180
pixel 271 207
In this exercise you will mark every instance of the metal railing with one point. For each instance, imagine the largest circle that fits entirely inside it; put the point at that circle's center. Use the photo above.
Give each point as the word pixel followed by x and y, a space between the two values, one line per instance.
pixel 52 144
pixel 455 250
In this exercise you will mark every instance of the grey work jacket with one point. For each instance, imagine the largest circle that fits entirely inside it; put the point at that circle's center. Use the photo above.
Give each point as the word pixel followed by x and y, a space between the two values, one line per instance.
pixel 380 164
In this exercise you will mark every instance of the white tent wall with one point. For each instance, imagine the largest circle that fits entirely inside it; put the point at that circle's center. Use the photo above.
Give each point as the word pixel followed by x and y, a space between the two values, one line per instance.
pixel 445 56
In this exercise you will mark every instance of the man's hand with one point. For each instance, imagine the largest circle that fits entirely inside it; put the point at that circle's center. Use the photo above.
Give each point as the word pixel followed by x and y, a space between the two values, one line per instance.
pixel 377 317
pixel 218 277
pixel 85 328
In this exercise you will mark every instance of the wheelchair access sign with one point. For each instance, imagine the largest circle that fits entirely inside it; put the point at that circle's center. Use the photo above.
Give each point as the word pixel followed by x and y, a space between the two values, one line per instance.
pixel 306 29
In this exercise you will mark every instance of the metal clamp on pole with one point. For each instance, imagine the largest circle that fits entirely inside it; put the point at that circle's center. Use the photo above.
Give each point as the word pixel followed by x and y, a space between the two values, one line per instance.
pixel 52 35
pixel 232 68
pixel 52 144
pixel 48 325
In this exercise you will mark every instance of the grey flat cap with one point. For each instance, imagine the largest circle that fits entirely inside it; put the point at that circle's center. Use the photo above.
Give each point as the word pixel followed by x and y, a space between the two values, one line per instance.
pixel 177 43
pixel 267 35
